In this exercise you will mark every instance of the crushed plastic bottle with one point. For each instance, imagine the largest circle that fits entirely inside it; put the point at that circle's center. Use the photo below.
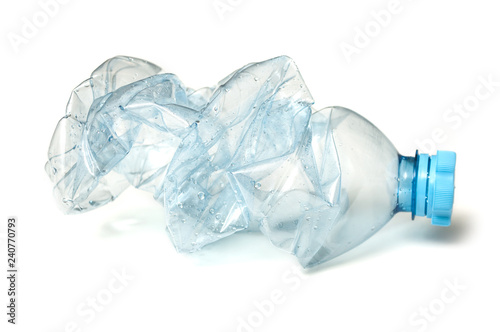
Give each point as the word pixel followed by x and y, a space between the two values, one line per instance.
pixel 248 154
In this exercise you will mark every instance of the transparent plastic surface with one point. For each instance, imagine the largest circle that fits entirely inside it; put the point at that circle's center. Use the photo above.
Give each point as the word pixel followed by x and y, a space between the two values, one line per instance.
pixel 369 164
pixel 248 154
pixel 122 126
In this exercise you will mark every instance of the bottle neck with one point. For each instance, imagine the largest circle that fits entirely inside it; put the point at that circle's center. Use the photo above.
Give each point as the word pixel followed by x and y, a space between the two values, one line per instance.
pixel 426 186
pixel 406 184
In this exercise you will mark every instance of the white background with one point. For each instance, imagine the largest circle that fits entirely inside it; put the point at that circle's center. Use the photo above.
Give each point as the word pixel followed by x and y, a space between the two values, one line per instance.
pixel 429 57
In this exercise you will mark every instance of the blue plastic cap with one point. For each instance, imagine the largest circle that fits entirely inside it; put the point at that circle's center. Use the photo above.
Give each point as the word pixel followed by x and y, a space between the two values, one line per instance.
pixel 435 186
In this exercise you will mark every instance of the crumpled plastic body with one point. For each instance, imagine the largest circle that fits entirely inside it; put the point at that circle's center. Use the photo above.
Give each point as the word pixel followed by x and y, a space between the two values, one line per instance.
pixel 248 154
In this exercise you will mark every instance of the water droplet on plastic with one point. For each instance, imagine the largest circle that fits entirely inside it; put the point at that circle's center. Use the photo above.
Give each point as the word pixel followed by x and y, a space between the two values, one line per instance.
pixel 212 211
pixel 257 185
pixel 201 195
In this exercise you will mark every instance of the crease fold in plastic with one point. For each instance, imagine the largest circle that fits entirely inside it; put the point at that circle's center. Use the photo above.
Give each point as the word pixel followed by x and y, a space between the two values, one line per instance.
pixel 247 154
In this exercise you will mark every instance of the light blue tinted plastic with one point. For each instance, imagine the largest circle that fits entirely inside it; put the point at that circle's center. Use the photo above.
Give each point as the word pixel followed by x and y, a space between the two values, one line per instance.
pixel 405 178
pixel 248 154
pixel 435 186
pixel 422 181
pixel 441 188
